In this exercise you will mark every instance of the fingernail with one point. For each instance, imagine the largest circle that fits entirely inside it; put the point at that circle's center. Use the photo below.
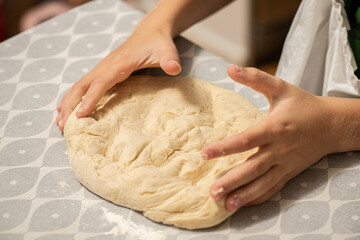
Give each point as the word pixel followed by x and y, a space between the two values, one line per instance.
pixel 60 123
pixel 79 109
pixel 204 156
pixel 235 203
pixel 222 147
pixel 218 193
pixel 79 112
pixel 238 68
pixel 173 61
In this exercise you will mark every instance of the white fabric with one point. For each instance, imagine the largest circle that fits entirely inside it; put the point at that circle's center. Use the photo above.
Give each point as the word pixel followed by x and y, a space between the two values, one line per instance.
pixel 317 56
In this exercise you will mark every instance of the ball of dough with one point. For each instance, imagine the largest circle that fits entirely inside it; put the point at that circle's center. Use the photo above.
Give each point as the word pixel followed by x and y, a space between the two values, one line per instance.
pixel 141 147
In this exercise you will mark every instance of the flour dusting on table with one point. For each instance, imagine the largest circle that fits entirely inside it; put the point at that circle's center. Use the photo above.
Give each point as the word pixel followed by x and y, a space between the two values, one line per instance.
pixel 127 227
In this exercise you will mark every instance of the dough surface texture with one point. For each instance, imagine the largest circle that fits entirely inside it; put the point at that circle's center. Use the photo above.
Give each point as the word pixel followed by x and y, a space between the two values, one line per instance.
pixel 141 147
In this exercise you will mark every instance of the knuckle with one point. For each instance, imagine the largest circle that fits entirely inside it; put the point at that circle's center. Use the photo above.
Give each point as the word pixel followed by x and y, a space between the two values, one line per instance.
pixel 280 84
pixel 269 181
pixel 244 141
pixel 81 85
pixel 229 182
pixel 167 49
pixel 257 167
pixel 244 197
pixel 279 128
pixel 120 67
pixel 85 108
pixel 279 87
pixel 101 85
pixel 256 73
pixel 233 143
pixel 222 183
pixel 85 79
pixel 121 74
pixel 97 82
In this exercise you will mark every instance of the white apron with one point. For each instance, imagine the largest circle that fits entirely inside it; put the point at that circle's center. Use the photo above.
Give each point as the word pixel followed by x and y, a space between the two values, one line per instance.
pixel 317 56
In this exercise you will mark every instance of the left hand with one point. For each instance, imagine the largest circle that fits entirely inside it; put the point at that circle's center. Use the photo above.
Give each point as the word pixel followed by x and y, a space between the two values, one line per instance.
pixel 294 135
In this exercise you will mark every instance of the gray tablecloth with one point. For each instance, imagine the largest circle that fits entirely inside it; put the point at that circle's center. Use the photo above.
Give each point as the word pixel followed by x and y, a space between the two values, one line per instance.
pixel 39 195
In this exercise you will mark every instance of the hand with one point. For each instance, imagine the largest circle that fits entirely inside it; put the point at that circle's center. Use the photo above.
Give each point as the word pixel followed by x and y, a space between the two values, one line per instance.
pixel 294 135
pixel 145 48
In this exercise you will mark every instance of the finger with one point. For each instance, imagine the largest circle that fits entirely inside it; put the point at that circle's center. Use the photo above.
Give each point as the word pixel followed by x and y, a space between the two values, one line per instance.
pixel 274 190
pixel 257 135
pixel 57 120
pixel 255 166
pixel 260 81
pixel 71 99
pixel 267 195
pixel 99 86
pixel 75 94
pixel 169 59
pixel 253 190
pixel 59 107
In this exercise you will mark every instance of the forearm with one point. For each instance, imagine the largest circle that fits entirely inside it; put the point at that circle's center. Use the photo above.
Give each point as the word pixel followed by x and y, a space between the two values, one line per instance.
pixel 175 16
pixel 345 123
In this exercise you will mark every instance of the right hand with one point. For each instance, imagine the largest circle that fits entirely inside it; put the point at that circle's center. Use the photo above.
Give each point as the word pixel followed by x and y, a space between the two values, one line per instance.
pixel 145 48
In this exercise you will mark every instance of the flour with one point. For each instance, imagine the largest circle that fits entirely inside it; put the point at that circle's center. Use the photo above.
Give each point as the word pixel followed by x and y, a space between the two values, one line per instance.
pixel 63 184
pixel 128 227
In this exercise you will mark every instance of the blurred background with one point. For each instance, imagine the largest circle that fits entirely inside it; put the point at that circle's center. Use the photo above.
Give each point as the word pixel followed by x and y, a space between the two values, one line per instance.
pixel 246 32
pixel 19 15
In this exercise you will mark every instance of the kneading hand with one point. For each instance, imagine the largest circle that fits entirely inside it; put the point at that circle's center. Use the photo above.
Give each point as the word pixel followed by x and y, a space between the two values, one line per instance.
pixel 145 48
pixel 150 45
pixel 294 135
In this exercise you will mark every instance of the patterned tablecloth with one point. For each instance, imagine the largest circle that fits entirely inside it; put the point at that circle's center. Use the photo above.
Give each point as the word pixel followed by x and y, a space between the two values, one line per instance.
pixel 39 195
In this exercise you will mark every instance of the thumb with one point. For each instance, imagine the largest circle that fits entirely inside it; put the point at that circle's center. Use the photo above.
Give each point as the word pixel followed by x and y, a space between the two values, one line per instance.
pixel 260 81
pixel 169 59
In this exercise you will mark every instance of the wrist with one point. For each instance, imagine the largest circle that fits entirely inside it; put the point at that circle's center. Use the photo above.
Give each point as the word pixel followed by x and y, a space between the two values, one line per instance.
pixel 152 24
pixel 174 16
pixel 163 18
pixel 344 123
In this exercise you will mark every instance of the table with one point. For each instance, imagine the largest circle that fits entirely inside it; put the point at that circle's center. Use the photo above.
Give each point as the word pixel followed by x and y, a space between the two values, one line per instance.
pixel 39 195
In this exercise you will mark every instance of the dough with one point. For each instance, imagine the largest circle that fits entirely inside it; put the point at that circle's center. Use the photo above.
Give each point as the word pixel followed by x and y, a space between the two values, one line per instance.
pixel 141 146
